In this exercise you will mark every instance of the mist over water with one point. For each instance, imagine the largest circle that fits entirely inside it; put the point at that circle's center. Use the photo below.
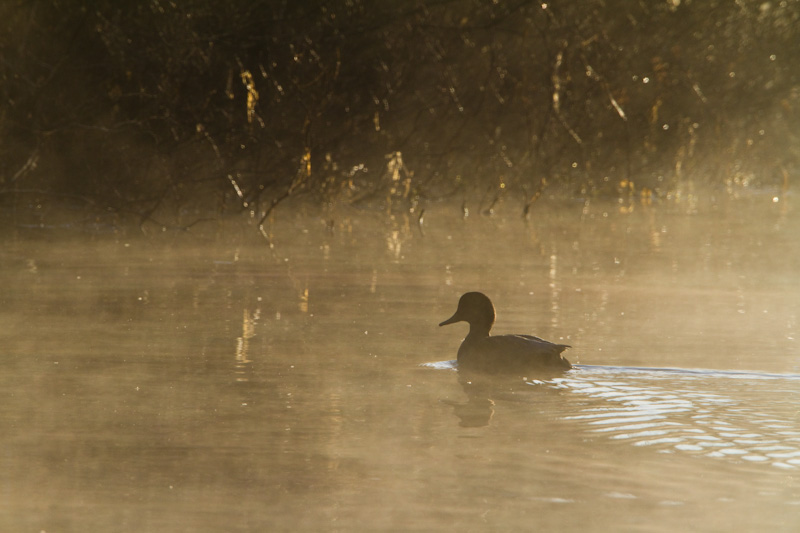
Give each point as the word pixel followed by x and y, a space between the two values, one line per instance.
pixel 230 231
pixel 214 383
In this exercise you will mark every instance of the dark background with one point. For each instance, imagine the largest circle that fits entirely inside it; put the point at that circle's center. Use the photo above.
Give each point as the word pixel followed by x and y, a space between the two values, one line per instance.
pixel 140 110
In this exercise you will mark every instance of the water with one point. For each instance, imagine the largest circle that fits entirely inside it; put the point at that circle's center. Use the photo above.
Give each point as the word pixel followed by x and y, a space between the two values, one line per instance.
pixel 211 383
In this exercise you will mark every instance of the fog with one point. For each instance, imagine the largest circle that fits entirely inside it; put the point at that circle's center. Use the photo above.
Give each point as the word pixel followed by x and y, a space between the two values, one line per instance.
pixel 229 233
pixel 178 382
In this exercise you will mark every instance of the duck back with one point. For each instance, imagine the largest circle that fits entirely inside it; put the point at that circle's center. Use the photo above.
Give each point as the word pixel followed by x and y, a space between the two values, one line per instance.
pixel 511 354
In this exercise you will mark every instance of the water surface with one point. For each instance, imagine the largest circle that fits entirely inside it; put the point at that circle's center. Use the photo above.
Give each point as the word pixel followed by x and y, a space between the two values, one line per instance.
pixel 209 382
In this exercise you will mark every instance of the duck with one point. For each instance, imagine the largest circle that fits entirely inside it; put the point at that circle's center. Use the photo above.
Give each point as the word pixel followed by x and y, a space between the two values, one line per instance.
pixel 500 354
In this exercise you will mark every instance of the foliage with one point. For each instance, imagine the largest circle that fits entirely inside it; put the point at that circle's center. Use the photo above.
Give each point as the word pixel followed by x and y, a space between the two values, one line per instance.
pixel 197 107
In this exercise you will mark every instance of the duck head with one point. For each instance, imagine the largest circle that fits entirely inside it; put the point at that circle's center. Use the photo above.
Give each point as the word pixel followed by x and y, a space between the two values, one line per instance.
pixel 476 309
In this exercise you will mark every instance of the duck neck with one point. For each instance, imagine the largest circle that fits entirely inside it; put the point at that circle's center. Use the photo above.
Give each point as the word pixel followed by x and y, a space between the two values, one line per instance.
pixel 477 332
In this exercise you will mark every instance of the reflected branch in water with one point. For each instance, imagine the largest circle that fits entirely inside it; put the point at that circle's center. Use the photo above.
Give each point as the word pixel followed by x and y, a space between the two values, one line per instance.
pixel 243 343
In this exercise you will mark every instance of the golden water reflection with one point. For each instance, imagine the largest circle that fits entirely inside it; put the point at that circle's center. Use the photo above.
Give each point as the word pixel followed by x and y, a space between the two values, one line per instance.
pixel 249 322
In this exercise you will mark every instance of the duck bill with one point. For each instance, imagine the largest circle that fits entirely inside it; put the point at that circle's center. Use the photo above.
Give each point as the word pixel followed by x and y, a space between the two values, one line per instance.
pixel 452 320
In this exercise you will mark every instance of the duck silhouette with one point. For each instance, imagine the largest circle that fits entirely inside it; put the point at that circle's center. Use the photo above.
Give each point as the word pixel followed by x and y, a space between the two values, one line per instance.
pixel 500 354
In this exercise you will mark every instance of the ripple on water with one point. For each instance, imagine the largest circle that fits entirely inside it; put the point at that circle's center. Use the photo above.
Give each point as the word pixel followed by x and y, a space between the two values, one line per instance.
pixel 692 412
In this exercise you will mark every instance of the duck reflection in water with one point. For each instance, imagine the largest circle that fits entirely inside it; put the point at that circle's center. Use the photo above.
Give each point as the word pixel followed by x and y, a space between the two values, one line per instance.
pixel 484 390
pixel 501 354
